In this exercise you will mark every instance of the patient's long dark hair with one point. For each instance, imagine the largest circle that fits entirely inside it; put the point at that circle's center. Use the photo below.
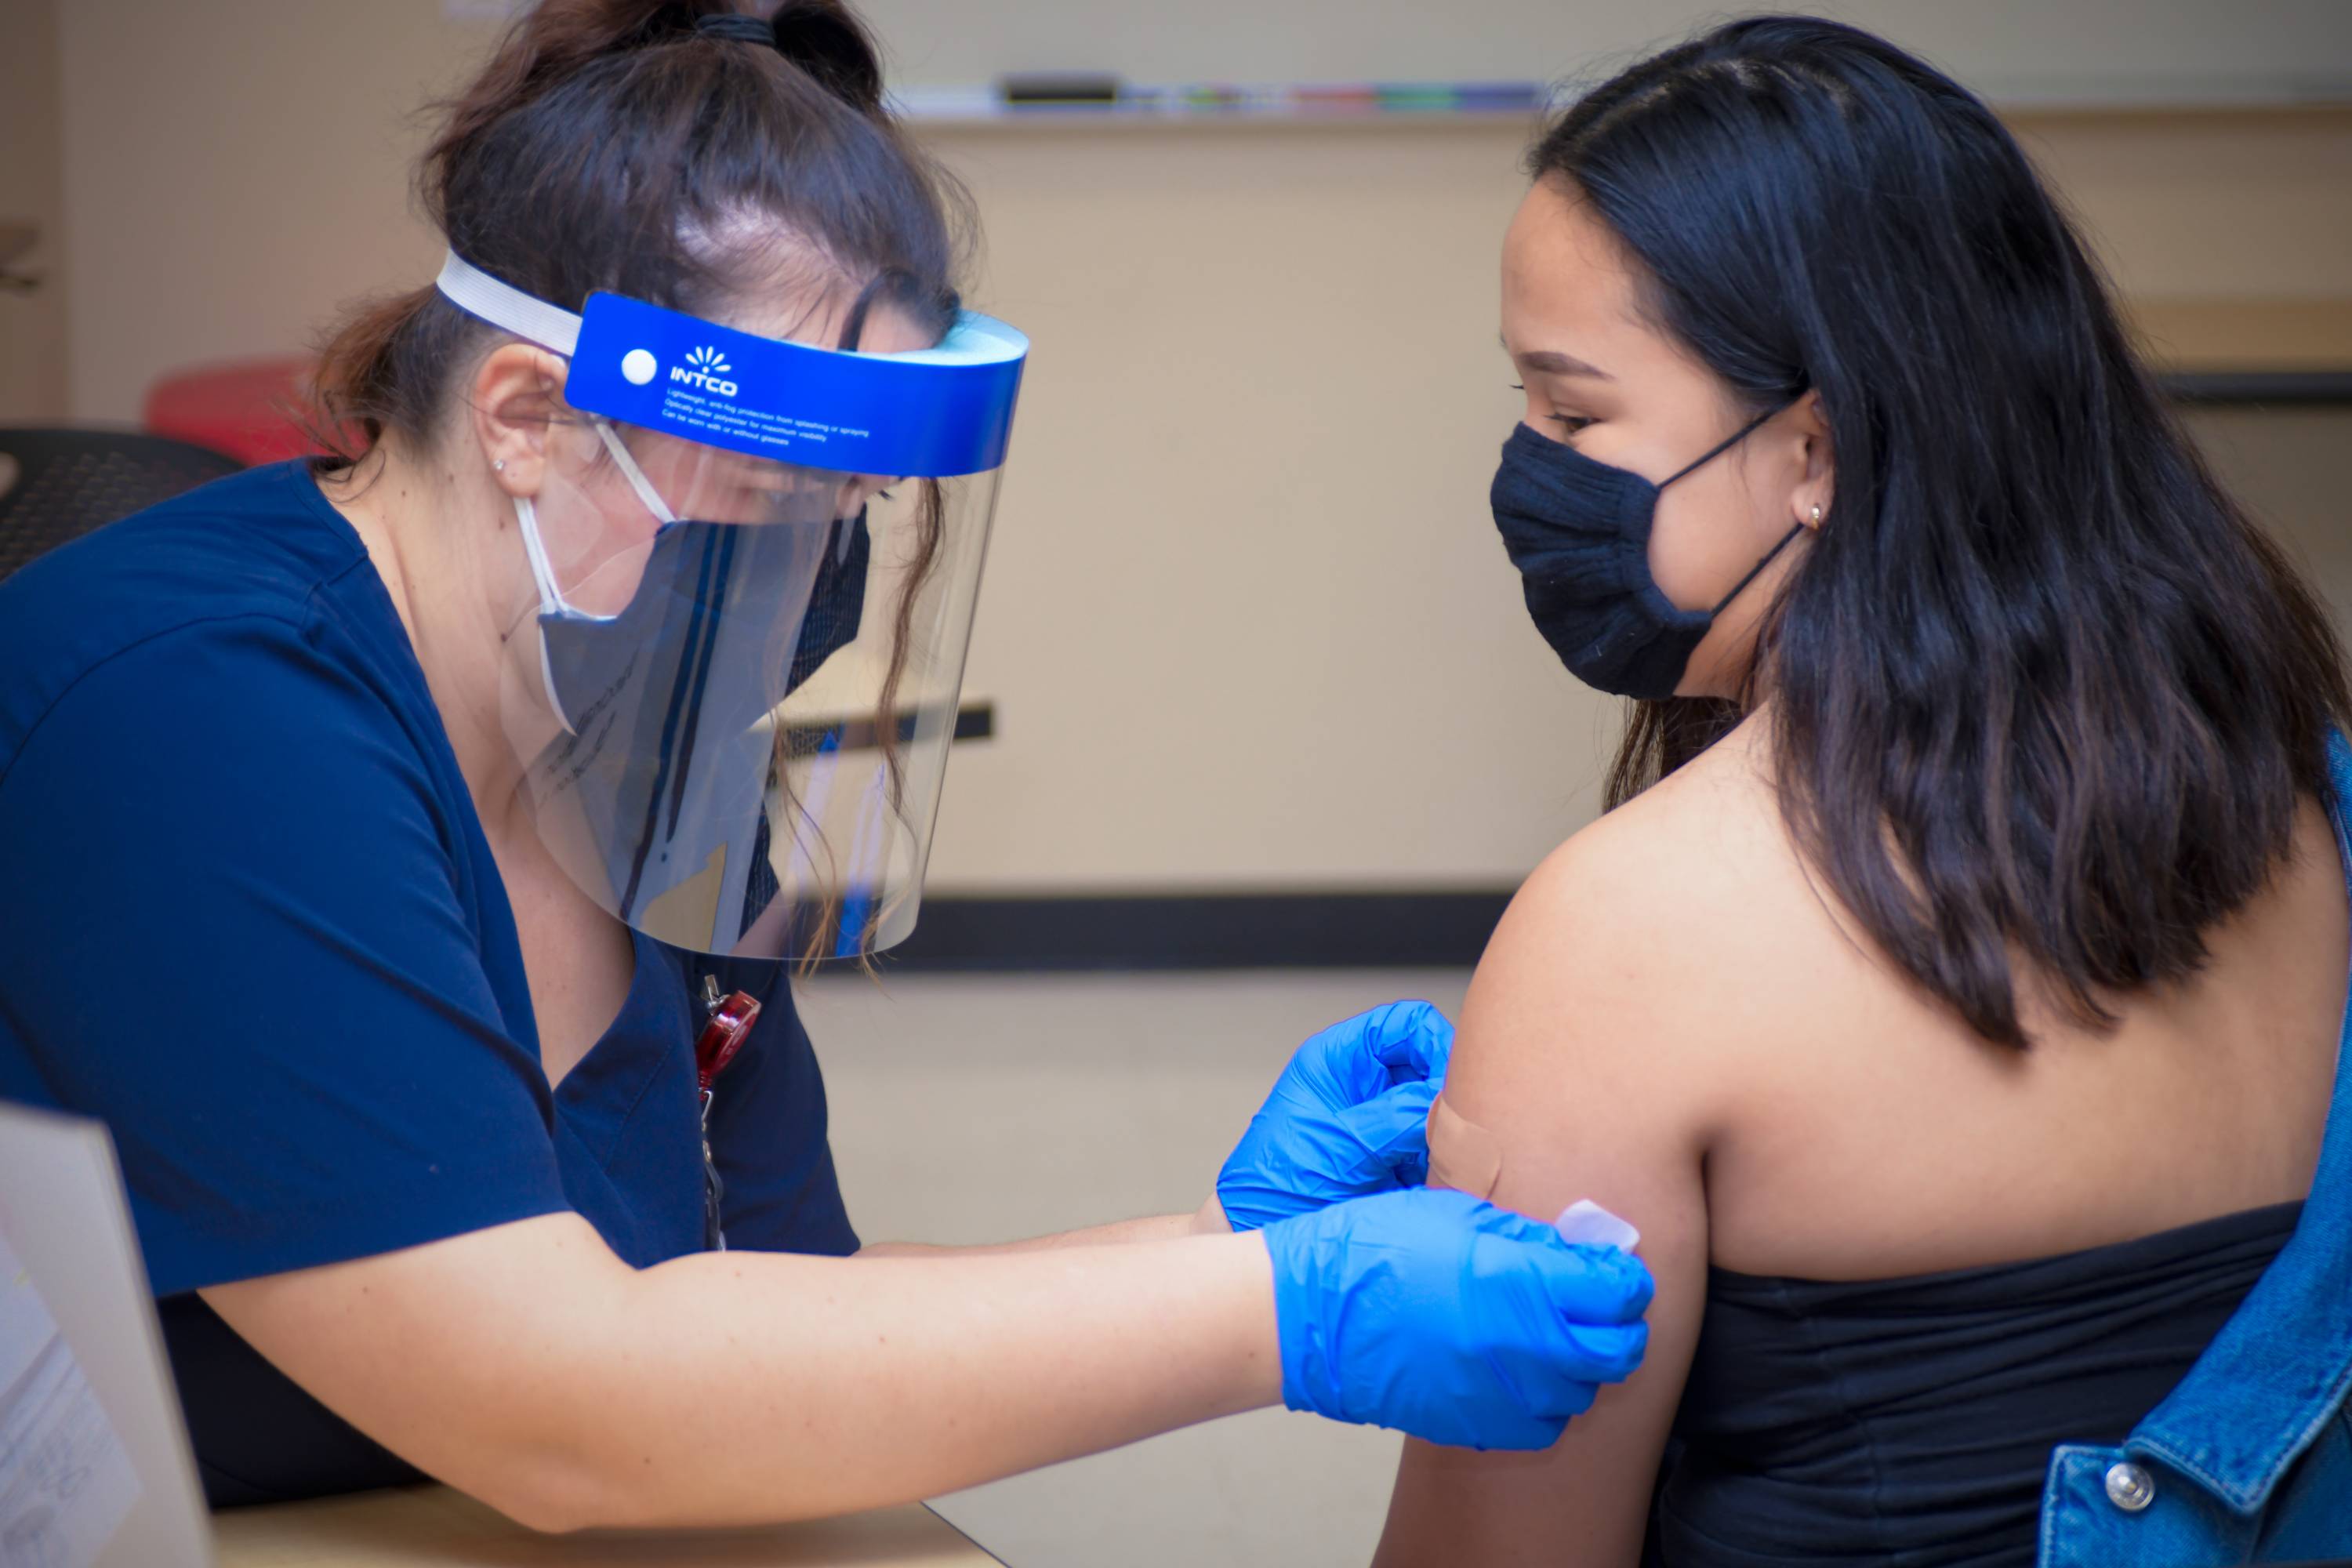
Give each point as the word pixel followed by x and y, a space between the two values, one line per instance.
pixel 2039 690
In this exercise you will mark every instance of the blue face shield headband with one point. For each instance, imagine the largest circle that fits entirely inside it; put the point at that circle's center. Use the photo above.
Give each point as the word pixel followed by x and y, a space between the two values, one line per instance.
pixel 761 540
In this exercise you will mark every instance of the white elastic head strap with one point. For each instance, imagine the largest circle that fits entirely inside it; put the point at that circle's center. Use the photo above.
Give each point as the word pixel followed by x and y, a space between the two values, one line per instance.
pixel 478 294
pixel 550 599
pixel 533 320
pixel 542 574
pixel 636 476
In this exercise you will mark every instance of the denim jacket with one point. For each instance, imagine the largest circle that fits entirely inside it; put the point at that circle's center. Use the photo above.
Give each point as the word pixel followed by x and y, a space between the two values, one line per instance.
pixel 2250 1459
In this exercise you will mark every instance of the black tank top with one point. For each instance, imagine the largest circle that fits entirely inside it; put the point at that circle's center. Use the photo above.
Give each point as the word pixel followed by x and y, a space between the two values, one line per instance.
pixel 1910 1421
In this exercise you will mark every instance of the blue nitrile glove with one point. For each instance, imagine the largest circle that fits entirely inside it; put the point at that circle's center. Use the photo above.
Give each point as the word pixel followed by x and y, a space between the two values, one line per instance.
pixel 1348 1117
pixel 1441 1315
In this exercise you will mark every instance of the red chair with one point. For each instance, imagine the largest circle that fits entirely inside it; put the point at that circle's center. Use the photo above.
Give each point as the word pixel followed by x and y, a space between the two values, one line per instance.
pixel 252 409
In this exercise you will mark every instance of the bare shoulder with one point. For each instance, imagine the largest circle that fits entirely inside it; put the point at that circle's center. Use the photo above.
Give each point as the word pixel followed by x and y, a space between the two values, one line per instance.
pixel 1673 934
pixel 1610 1042
pixel 1693 846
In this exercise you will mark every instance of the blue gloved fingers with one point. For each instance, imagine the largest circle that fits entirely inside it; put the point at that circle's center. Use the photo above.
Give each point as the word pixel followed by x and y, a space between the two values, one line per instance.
pixel 1398 1042
pixel 1413 1039
pixel 1347 1117
pixel 1606 1354
pixel 1609 1278
pixel 1438 1314
pixel 1392 1128
pixel 1579 1398
pixel 1292 1160
pixel 1526 1435
pixel 1568 1329
pixel 1547 1398
pixel 1597 1285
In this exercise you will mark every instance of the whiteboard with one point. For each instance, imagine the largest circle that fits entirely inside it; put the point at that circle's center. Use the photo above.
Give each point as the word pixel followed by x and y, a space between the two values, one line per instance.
pixel 2095 52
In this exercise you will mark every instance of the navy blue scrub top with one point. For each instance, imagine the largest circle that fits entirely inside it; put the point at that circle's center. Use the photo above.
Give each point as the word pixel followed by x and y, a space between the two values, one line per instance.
pixel 248 917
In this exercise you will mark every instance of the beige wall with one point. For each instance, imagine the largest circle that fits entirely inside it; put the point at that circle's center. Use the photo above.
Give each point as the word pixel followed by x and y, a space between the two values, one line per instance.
pixel 1247 621
pixel 2287 466
pixel 234 170
pixel 2105 49
pixel 1248 618
pixel 2237 205
pixel 32 190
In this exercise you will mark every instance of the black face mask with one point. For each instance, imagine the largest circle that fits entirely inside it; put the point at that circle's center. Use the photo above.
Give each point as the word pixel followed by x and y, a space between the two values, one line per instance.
pixel 1578 532
pixel 838 603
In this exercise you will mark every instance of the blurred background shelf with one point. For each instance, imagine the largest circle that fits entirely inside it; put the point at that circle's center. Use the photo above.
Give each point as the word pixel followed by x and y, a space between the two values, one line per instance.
pixel 2226 351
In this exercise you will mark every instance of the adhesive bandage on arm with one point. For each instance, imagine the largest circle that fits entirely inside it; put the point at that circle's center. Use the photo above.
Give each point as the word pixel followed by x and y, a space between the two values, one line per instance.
pixel 1467 1158
pixel 1463 1155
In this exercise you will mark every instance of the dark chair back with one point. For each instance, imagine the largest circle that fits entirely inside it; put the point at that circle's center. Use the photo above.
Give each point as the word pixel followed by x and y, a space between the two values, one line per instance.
pixel 56 485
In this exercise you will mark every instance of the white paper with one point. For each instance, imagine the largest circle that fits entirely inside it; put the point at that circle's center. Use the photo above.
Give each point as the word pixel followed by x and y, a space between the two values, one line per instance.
pixel 66 1483
pixel 1586 1223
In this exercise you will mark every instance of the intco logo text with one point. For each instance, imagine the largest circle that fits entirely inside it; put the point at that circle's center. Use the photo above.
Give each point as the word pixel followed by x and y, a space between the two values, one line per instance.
pixel 706 368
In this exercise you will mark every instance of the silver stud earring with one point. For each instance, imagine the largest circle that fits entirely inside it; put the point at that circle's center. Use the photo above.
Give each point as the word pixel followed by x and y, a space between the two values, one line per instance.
pixel 499 466
pixel 1817 517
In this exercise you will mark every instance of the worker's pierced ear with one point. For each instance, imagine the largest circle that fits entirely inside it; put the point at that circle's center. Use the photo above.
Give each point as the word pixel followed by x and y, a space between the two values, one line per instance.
pixel 516 398
pixel 720 746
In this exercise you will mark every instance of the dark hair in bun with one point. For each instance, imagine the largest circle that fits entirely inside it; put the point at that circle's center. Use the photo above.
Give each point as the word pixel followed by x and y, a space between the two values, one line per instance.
pixel 825 38
pixel 627 145
pixel 630 145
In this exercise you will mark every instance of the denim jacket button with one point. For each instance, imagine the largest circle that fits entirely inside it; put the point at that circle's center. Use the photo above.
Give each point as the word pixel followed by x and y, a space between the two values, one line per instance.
pixel 2130 1488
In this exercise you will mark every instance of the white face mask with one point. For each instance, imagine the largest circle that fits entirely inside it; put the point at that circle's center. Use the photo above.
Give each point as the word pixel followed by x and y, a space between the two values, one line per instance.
pixel 654 737
pixel 553 605
pixel 659 775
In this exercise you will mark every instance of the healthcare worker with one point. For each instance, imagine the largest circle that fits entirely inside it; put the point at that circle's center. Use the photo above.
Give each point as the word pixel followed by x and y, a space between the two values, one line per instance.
pixel 404 856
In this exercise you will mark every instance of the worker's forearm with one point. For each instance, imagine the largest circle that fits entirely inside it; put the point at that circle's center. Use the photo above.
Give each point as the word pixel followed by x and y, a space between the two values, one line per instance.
pixel 789 1386
pixel 1207 1220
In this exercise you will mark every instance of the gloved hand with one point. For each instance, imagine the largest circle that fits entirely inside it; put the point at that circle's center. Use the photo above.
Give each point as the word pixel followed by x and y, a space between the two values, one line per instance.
pixel 1349 1116
pixel 1441 1315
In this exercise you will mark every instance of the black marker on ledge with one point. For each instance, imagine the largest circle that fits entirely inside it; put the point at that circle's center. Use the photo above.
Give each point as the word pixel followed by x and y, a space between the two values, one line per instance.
pixel 1060 90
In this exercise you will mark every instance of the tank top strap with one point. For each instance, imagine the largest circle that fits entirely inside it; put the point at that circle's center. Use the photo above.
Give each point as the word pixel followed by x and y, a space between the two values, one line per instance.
pixel 2281 1366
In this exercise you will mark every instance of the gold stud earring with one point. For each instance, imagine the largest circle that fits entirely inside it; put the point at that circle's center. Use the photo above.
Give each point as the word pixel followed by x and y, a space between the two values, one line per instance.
pixel 1817 517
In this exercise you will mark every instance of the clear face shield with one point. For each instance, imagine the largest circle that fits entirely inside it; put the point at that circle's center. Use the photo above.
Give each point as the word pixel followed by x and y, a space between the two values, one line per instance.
pixel 755 563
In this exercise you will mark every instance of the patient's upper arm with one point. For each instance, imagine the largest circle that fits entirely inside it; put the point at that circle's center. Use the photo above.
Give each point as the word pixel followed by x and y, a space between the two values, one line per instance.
pixel 1582 1071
